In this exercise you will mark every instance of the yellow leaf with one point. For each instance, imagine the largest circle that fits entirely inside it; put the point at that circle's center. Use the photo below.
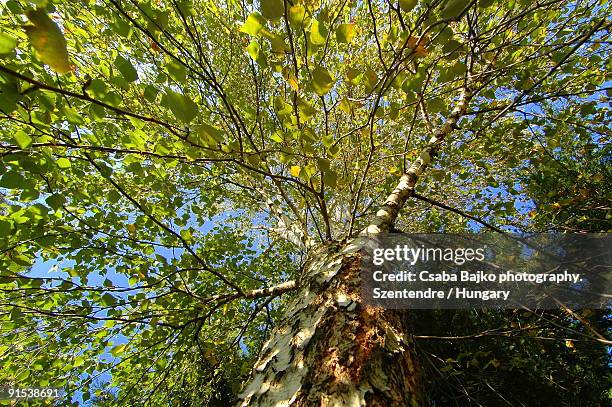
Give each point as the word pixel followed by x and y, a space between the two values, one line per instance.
pixel 253 24
pixel 295 170
pixel 345 106
pixel 322 81
pixel 297 15
pixel 345 33
pixel 293 82
pixel 48 41
pixel 395 171
pixel 318 33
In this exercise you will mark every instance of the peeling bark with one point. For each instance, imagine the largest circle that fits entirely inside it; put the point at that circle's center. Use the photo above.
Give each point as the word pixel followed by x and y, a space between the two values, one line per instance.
pixel 329 350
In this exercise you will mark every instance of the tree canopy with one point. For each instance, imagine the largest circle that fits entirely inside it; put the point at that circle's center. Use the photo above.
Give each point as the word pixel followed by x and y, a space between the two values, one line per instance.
pixel 166 166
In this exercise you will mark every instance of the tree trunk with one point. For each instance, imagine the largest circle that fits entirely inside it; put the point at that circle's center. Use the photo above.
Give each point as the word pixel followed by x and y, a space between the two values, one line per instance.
pixel 329 349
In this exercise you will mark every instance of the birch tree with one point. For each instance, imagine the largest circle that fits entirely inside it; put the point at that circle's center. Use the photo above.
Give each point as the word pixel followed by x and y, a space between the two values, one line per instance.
pixel 186 185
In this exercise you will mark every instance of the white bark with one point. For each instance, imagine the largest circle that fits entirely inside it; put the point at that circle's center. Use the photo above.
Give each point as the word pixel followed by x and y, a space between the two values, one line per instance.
pixel 386 215
pixel 328 350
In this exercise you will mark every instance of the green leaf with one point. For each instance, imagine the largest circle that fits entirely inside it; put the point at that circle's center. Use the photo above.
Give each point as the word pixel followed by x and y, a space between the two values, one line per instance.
pixel 281 107
pixel 22 260
pixel 308 172
pixel 97 112
pixel 436 105
pixel 9 95
pixel 443 36
pixel 323 164
pixel 297 15
pixel 63 163
pixel 78 361
pixel 12 180
pixel 23 375
pixel 112 99
pixel 183 108
pixel 254 159
pixel 7 43
pixel 354 76
pixel 253 50
pixel 322 81
pixel 72 115
pixel 458 69
pixel 371 80
pixel 345 33
pixel 118 350
pixel 108 300
pixel 254 23
pixel 407 5
pixel 277 136
pixel 278 44
pixel 272 9
pixel 209 135
pixel 55 201
pixel 150 93
pixel 48 41
pixel 186 235
pixel 98 88
pixel 161 19
pixel 451 45
pixel 318 33
pixel 330 178
pixel 305 110
pixel 126 68
pixel 453 9
pixel 5 227
pixel 22 139
pixel 16 314
pixel 414 83
pixel 177 71
pixel 121 27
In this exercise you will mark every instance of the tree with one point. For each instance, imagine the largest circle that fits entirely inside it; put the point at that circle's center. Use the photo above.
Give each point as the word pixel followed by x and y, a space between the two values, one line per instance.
pixel 199 176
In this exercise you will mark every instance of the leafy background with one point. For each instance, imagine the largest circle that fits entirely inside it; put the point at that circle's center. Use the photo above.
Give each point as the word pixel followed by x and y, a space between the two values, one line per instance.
pixel 161 158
